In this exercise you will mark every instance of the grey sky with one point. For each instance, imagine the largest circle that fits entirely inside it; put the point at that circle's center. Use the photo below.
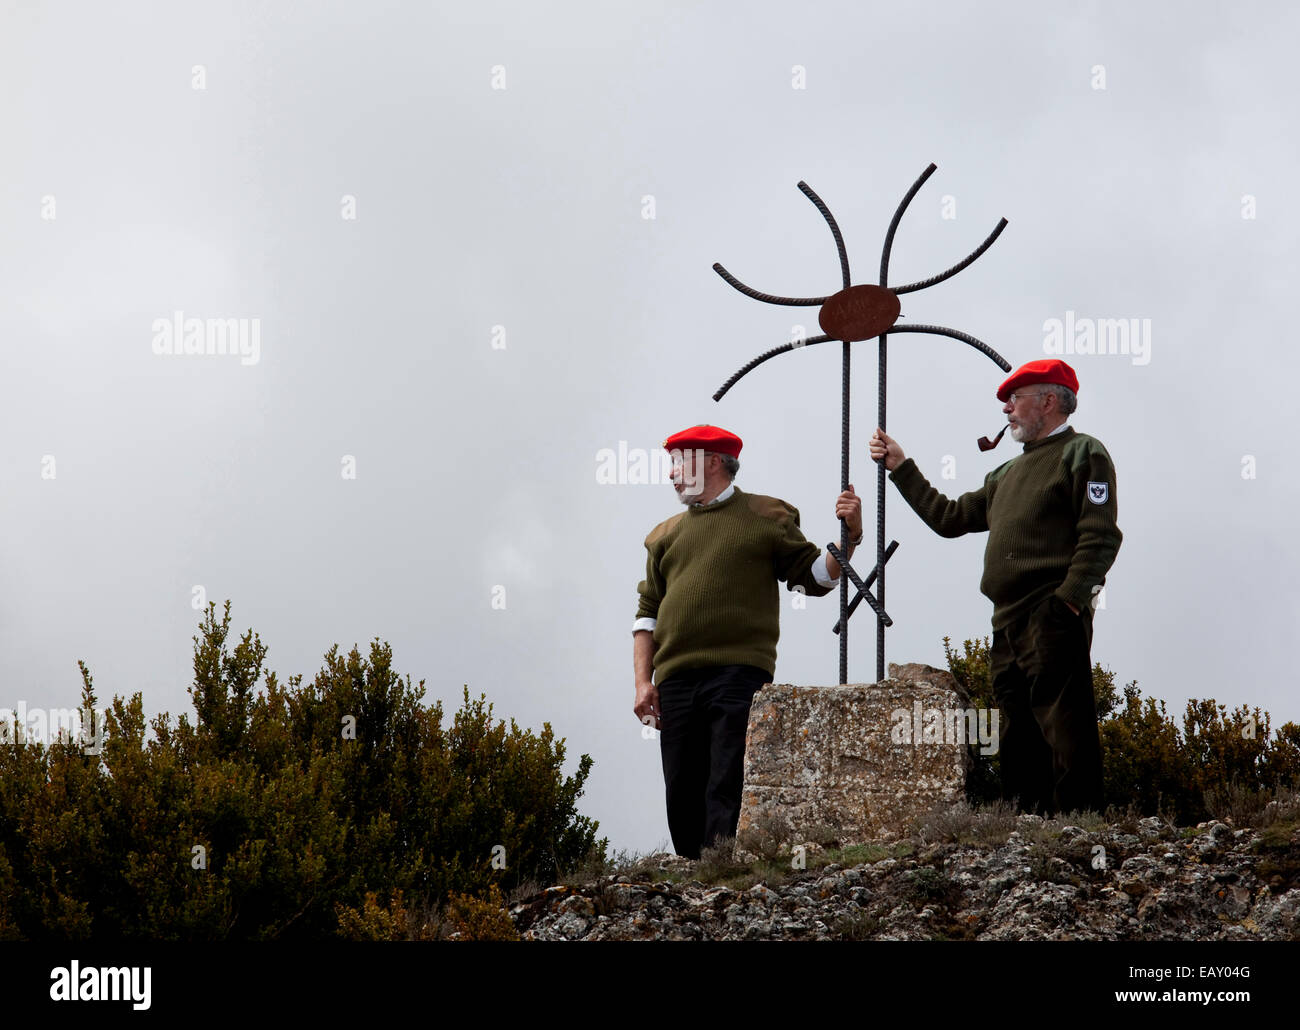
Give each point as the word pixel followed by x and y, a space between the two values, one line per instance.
pixel 523 208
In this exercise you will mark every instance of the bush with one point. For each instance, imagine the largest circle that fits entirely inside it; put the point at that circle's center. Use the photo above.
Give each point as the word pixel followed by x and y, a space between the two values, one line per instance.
pixel 481 919
pixel 1217 764
pixel 280 813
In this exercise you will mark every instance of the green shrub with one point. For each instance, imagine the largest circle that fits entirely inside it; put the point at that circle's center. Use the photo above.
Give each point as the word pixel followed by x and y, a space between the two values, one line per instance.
pixel 1217 764
pixel 280 812
pixel 481 919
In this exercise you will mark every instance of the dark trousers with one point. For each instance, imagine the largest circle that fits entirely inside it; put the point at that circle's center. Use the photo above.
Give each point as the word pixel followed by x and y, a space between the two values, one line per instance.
pixel 1048 746
pixel 704 716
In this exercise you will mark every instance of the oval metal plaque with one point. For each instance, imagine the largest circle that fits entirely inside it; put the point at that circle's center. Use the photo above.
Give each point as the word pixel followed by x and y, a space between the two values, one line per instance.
pixel 859 313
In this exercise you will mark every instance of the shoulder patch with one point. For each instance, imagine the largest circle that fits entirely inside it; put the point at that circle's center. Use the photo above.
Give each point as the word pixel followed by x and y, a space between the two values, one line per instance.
pixel 998 472
pixel 1098 493
pixel 664 528
pixel 772 508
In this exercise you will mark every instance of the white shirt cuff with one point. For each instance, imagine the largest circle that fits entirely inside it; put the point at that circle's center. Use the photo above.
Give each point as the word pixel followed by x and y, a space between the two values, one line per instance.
pixel 821 570
pixel 645 623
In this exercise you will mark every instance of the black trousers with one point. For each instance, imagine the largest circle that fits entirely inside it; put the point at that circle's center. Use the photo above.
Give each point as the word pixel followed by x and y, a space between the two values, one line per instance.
pixel 1048 744
pixel 704 716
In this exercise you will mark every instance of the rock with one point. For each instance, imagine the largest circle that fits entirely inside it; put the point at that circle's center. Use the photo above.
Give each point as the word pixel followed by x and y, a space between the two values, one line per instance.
pixel 1148 890
pixel 845 762
pixel 1149 827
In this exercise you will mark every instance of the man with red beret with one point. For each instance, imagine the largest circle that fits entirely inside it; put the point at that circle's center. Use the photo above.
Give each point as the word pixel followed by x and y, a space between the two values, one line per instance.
pixel 706 629
pixel 1050 516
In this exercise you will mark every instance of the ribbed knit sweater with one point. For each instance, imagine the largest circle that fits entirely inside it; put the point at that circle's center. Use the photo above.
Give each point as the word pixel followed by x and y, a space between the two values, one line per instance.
pixel 1050 516
pixel 711 582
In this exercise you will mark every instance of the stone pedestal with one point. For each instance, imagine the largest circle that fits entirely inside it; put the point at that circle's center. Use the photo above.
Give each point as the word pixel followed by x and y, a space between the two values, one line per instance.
pixel 856 762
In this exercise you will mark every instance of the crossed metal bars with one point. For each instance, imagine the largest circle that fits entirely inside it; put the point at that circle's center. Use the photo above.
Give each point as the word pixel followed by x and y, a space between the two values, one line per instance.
pixel 854 314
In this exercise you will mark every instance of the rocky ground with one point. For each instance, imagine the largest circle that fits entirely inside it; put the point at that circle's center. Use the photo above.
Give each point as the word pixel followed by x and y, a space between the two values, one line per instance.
pixel 1034 880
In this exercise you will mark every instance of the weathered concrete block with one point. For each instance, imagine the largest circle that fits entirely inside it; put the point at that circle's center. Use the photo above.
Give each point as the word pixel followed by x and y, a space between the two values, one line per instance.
pixel 854 762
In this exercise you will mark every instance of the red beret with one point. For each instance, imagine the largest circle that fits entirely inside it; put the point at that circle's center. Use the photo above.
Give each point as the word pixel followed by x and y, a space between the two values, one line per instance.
pixel 704 438
pixel 1044 370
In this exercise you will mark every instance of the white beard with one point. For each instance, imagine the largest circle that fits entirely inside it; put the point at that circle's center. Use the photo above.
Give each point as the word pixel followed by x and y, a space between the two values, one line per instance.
pixel 1026 430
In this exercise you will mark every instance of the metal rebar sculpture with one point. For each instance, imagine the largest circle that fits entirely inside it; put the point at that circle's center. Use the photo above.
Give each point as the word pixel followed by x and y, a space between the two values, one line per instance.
pixel 854 314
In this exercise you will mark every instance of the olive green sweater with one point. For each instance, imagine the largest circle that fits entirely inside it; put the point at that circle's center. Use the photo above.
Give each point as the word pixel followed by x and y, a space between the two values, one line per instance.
pixel 711 582
pixel 1050 516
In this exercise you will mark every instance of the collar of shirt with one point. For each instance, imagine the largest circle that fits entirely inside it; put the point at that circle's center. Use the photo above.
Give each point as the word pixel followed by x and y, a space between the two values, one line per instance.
pixel 1060 429
pixel 731 488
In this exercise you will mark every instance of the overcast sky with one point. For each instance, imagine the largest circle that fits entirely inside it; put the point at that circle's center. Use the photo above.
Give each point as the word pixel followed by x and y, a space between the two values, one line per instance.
pixel 475 242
